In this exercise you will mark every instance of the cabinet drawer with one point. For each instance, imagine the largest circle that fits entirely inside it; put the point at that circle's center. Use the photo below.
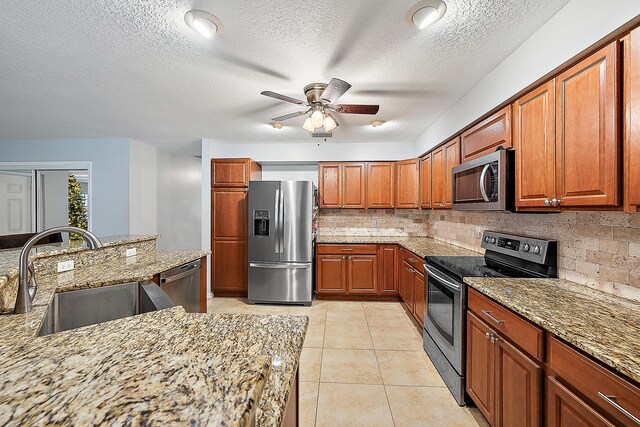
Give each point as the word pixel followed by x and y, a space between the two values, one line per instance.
pixel 414 261
pixel 323 249
pixel 596 383
pixel 527 336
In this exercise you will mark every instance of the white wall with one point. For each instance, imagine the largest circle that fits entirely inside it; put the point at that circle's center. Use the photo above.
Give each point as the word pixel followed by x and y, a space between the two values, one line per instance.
pixel 578 25
pixel 179 218
pixel 205 194
pixel 290 172
pixel 109 173
pixel 143 218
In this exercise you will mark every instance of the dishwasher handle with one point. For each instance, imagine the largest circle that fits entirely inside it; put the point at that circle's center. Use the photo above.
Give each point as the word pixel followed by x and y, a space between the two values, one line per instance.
pixel 188 270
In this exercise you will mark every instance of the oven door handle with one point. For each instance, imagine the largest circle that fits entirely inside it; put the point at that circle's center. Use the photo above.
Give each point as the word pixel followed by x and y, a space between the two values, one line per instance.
pixel 447 283
pixel 483 179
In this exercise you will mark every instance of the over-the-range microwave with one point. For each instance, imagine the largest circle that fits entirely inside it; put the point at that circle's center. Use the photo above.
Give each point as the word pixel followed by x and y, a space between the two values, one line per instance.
pixel 485 183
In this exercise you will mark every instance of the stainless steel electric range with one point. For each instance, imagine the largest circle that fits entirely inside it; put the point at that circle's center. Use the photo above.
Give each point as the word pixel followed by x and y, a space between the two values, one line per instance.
pixel 444 326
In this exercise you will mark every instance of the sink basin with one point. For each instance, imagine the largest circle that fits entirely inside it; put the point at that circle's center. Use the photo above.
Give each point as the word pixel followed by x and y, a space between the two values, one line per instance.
pixel 74 309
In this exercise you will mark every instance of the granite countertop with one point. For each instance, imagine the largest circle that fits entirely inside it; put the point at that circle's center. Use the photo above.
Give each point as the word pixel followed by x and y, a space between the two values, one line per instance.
pixel 421 246
pixel 603 325
pixel 165 368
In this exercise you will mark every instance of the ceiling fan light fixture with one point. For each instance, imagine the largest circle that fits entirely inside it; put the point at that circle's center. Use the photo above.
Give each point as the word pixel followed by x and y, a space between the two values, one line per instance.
pixel 308 126
pixel 377 123
pixel 317 117
pixel 425 13
pixel 277 125
pixel 203 23
pixel 330 123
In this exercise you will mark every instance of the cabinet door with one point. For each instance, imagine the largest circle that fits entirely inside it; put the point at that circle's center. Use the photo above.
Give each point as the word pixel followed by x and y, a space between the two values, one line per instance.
pixel 229 213
pixel 452 158
pixel 425 182
pixel 407 184
pixel 380 185
pixel 388 269
pixel 632 120
pixel 518 387
pixel 565 409
pixel 486 136
pixel 353 185
pixel 419 297
pixel 229 267
pixel 331 274
pixel 362 274
pixel 406 285
pixel 534 141
pixel 480 376
pixel 230 172
pixel 330 185
pixel 587 141
pixel 438 180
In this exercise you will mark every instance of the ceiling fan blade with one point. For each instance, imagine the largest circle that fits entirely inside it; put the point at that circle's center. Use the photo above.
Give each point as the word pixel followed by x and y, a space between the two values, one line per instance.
pixel 290 116
pixel 282 97
pixel 357 109
pixel 334 90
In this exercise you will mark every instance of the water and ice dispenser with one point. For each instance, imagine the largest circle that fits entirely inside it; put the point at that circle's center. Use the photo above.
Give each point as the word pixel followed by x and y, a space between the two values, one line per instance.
pixel 261 222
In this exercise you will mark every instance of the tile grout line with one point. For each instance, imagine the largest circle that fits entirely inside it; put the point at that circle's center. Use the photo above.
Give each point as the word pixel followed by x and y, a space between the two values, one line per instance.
pixel 384 387
pixel 324 333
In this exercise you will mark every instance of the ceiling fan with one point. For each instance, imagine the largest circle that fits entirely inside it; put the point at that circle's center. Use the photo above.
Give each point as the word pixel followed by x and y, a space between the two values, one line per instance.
pixel 321 100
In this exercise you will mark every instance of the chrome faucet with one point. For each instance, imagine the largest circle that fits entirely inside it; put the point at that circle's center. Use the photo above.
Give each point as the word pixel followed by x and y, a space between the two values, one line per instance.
pixel 27 286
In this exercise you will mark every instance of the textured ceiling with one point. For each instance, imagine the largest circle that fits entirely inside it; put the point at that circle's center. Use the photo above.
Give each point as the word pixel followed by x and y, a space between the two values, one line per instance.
pixel 132 68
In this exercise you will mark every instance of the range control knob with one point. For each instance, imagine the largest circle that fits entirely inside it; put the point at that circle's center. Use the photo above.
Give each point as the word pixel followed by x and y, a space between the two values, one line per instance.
pixel 486 239
pixel 493 241
pixel 526 247
pixel 536 250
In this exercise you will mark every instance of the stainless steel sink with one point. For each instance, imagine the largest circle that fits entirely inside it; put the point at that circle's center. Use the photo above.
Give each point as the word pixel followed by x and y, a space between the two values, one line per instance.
pixel 74 309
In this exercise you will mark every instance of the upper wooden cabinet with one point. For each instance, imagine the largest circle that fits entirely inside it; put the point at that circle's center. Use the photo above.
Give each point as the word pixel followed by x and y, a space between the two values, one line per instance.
pixel 443 161
pixel 407 184
pixel 380 185
pixel 342 185
pixel 587 131
pixel 631 86
pixel 486 136
pixel 234 172
pixel 535 144
pixel 425 182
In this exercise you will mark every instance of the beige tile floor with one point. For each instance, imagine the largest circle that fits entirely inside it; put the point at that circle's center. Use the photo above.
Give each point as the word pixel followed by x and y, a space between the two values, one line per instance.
pixel 363 365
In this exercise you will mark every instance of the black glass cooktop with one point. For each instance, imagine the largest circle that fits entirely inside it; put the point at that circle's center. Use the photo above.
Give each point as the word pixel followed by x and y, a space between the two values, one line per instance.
pixel 471 266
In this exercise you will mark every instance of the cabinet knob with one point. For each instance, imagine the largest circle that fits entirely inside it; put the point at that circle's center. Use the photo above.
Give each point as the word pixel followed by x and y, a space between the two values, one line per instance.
pixel 547 202
pixel 554 202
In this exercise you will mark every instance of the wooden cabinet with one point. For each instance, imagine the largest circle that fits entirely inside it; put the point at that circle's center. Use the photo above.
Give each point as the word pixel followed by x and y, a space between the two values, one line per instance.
pixel 566 409
pixel 535 144
pixel 342 185
pixel 488 135
pixel 380 185
pixel 363 274
pixel 587 140
pixel 353 185
pixel 443 160
pixel 406 285
pixel 229 181
pixel 412 285
pixel 631 86
pixel 388 269
pixel 234 172
pixel 480 375
pixel 407 184
pixel 419 297
pixel 425 182
pixel 331 274
pixel 330 185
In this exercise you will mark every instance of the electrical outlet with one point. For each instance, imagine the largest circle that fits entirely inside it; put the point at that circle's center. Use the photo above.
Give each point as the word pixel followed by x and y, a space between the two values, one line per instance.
pixel 130 252
pixel 66 266
pixel 478 232
pixel 374 223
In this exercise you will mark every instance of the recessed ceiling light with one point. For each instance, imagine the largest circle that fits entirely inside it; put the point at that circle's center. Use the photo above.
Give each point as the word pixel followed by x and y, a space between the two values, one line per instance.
pixel 203 23
pixel 425 13
pixel 277 125
pixel 377 123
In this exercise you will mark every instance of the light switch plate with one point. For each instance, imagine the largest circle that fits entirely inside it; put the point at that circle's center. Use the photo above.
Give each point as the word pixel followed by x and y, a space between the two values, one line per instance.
pixel 66 266
pixel 478 232
pixel 130 252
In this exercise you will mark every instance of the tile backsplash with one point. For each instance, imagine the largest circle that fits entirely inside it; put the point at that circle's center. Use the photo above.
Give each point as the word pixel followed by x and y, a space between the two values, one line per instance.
pixel 597 249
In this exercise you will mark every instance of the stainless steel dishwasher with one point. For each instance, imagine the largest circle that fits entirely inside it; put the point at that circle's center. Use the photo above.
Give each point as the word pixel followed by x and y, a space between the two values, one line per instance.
pixel 182 285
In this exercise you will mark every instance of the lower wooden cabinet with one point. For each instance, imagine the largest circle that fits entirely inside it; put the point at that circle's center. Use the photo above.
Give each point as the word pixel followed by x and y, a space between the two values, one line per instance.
pixel 419 297
pixel 331 274
pixel 566 409
pixel 406 285
pixel 504 382
pixel 388 269
pixel 362 275
pixel 412 285
pixel 347 270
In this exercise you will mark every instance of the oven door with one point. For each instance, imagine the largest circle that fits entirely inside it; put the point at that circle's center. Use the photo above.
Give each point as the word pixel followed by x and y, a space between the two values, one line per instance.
pixel 483 183
pixel 445 315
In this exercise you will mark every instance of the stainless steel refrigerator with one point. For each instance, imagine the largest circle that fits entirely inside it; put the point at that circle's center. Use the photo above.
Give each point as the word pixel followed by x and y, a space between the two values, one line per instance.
pixel 281 241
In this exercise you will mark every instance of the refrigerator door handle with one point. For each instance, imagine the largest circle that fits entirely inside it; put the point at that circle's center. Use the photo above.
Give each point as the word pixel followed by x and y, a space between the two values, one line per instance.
pixel 277 220
pixel 281 230
pixel 286 266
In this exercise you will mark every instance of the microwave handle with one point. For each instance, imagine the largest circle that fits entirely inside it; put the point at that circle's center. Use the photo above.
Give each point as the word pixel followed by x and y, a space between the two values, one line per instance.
pixel 483 178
